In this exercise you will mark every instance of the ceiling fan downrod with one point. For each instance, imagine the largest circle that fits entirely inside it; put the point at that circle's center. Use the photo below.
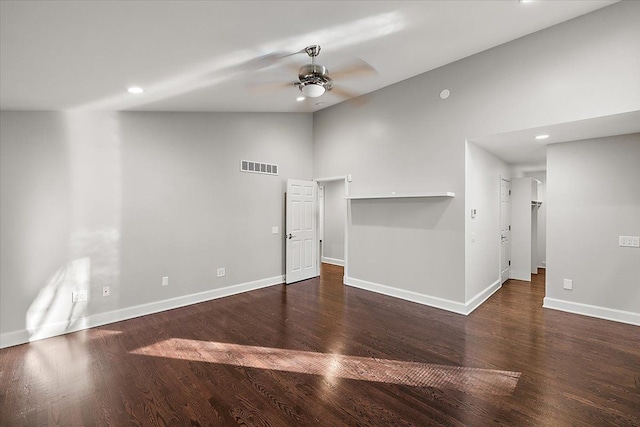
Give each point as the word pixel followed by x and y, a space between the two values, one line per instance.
pixel 314 79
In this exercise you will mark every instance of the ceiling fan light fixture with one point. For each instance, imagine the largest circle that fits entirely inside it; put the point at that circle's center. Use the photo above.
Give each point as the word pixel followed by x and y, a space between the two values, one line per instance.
pixel 312 90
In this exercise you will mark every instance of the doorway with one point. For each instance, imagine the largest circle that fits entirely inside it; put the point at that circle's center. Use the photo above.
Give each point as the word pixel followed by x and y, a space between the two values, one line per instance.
pixel 332 222
pixel 505 230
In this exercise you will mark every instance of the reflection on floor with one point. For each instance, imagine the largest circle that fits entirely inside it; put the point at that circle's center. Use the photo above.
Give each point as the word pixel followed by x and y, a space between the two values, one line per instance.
pixel 470 380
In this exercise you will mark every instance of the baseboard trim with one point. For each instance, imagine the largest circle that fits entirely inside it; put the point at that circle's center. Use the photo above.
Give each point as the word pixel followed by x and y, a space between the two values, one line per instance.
pixel 593 311
pixel 23 336
pixel 334 261
pixel 9 339
pixel 431 301
pixel 482 296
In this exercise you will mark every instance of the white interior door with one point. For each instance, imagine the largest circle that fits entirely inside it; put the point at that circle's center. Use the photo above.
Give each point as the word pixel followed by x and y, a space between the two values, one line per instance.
pixel 505 230
pixel 301 235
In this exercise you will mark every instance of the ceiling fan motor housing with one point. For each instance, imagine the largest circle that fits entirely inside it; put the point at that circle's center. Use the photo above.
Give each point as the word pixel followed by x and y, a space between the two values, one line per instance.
pixel 314 74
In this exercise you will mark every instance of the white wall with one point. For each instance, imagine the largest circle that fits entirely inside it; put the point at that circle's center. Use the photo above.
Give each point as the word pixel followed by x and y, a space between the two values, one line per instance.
pixel 593 197
pixel 484 173
pixel 406 139
pixel 335 212
pixel 123 199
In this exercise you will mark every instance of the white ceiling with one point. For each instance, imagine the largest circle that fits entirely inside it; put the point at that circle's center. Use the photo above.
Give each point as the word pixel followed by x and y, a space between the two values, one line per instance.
pixel 197 55
pixel 521 148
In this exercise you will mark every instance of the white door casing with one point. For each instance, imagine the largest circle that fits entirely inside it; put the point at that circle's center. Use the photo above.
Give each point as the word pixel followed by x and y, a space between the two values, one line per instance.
pixel 301 233
pixel 346 179
pixel 505 230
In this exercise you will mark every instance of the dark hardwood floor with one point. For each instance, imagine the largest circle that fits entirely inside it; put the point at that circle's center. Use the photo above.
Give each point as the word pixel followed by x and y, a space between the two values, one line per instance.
pixel 320 353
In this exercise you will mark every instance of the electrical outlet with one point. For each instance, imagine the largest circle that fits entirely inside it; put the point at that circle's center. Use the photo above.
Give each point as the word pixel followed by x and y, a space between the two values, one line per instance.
pixel 568 284
pixel 629 241
pixel 221 272
pixel 78 296
pixel 106 291
pixel 165 281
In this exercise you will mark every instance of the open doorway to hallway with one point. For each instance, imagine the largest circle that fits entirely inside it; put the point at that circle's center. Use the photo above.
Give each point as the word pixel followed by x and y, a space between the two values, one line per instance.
pixel 332 220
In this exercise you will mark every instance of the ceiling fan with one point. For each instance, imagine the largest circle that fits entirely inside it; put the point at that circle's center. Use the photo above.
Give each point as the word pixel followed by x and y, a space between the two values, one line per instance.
pixel 314 80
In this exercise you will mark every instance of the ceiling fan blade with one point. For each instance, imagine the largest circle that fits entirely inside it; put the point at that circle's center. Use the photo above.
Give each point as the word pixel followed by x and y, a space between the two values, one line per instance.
pixel 304 50
pixel 355 69
pixel 353 97
pixel 290 65
pixel 265 87
pixel 276 58
pixel 265 61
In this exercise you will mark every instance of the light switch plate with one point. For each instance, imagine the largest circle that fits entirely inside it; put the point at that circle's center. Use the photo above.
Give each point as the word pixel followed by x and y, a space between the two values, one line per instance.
pixel 79 296
pixel 568 284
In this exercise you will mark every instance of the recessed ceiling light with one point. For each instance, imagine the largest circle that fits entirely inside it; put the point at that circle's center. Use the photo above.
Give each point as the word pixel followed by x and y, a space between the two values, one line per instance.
pixel 320 103
pixel 542 136
pixel 135 89
pixel 525 1
pixel 300 98
pixel 445 94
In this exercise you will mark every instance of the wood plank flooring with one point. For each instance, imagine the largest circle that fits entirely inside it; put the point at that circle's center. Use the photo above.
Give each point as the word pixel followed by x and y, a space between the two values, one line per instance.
pixel 320 353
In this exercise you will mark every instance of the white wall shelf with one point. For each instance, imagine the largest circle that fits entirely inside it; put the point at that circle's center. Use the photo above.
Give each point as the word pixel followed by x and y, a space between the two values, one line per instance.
pixel 402 196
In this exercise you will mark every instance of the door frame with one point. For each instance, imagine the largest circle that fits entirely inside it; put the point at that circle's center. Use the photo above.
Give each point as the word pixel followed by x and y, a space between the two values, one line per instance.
pixel 509 180
pixel 346 179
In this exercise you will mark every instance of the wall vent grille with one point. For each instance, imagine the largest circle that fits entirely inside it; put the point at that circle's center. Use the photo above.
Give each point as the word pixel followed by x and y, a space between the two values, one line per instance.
pixel 258 167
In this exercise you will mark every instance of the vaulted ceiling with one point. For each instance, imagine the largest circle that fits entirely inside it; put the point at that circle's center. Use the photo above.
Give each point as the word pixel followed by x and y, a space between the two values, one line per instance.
pixel 207 55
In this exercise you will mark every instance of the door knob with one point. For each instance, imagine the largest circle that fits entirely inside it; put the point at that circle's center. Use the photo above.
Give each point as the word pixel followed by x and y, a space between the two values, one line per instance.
pixel 290 236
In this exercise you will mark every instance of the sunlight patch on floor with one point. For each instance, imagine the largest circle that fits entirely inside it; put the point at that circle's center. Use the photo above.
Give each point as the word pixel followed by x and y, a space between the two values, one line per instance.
pixel 416 374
